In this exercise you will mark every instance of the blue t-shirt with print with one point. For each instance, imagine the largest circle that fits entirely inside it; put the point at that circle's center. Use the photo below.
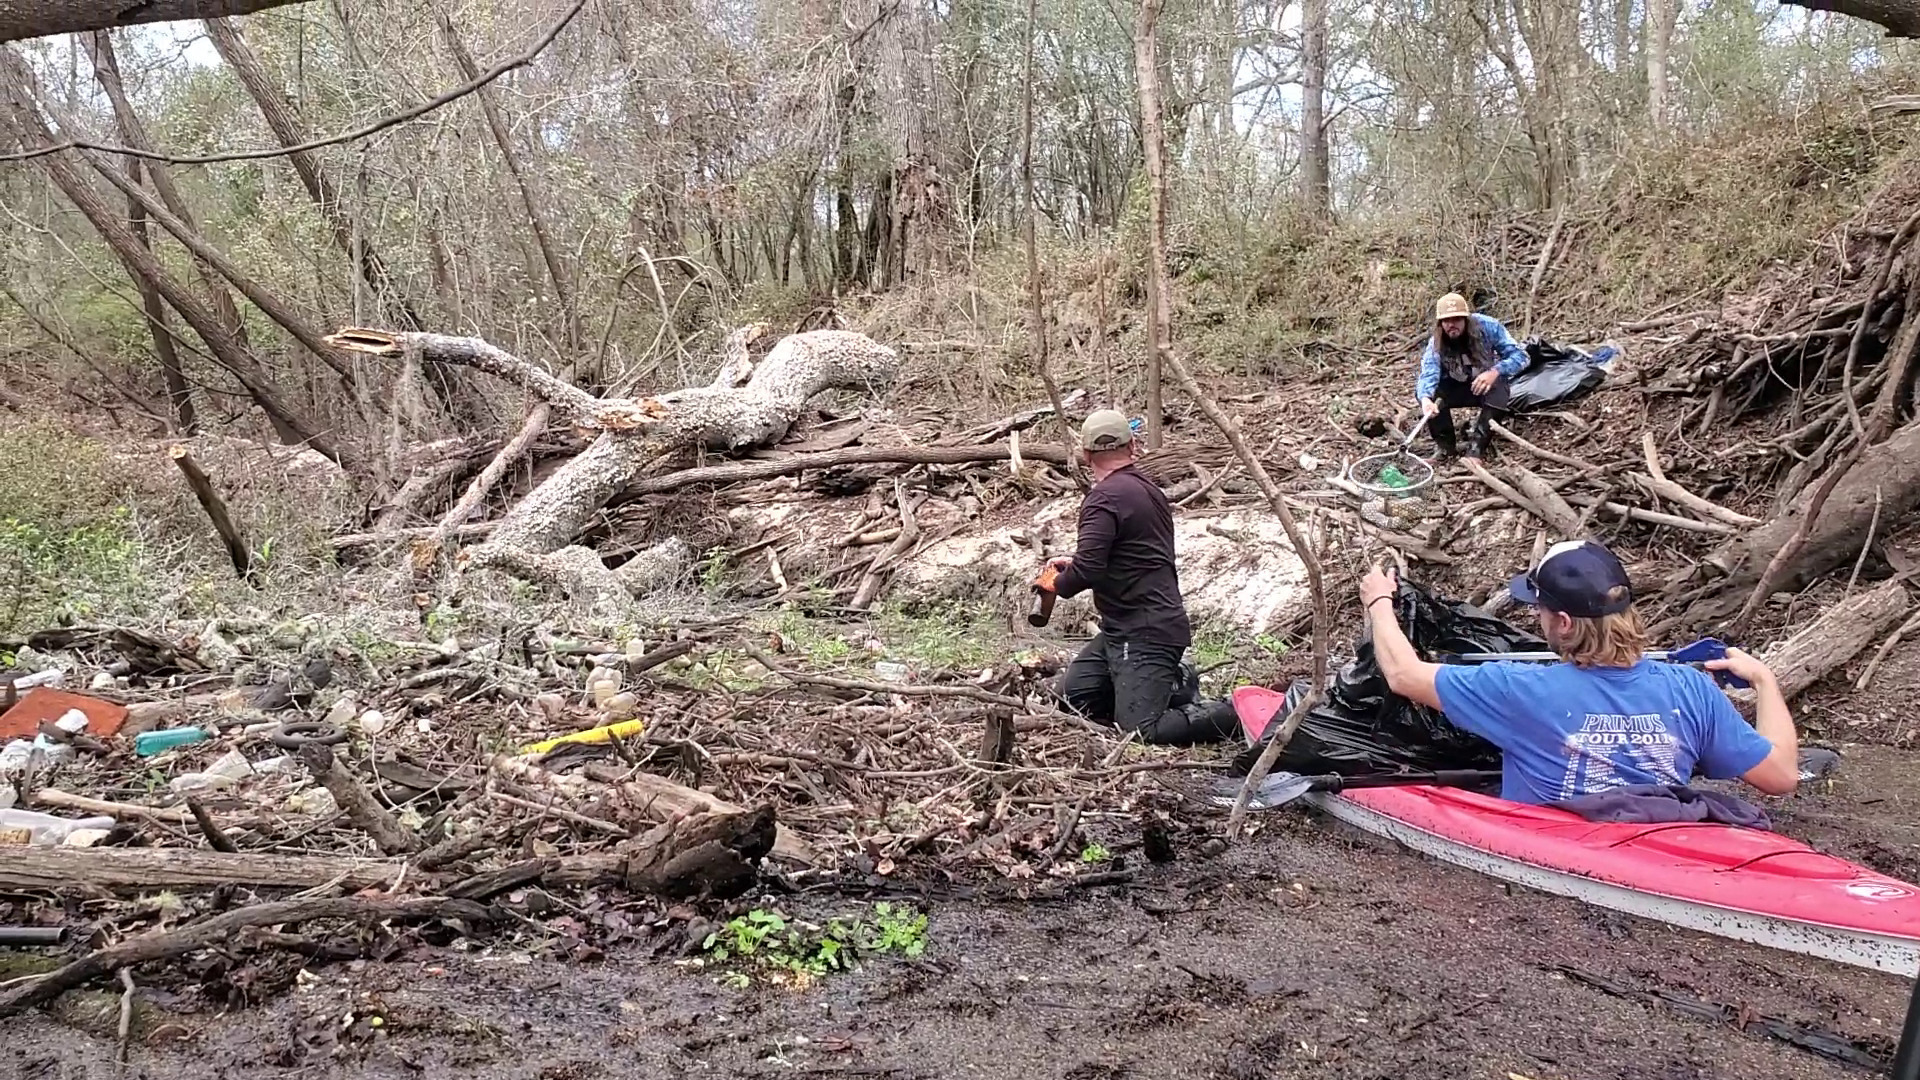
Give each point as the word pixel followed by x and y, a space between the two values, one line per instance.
pixel 1566 731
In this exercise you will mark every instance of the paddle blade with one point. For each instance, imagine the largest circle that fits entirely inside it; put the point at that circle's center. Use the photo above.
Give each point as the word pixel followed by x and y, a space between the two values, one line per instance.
pixel 1277 790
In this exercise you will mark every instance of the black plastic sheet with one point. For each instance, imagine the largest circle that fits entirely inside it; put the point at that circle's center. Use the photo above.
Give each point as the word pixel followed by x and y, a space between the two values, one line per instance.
pixel 1556 375
pixel 1363 727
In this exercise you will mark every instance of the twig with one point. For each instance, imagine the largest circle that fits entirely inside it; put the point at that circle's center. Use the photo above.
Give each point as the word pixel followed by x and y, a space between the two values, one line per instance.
pixel 1066 834
pixel 1873 526
pixel 1275 746
pixel 212 831
pixel 1887 646
pixel 863 596
pixel 1654 517
pixel 126 1017
pixel 1540 452
pixel 597 824
pixel 374 128
pixel 906 689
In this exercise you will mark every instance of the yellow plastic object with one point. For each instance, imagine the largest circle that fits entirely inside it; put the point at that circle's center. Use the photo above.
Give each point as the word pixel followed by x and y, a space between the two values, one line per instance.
pixel 625 729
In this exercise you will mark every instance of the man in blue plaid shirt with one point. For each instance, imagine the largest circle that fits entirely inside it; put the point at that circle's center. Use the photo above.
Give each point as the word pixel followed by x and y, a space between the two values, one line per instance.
pixel 1468 363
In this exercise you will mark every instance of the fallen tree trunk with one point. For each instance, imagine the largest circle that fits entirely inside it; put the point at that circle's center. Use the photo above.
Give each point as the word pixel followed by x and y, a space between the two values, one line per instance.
pixel 1837 636
pixel 694 853
pixel 535 539
pixel 116 870
pixel 1889 472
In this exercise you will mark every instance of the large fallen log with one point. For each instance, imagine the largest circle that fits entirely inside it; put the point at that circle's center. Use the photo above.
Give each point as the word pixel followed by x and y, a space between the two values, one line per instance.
pixel 117 870
pixel 1889 472
pixel 697 854
pixel 1837 636
pixel 534 540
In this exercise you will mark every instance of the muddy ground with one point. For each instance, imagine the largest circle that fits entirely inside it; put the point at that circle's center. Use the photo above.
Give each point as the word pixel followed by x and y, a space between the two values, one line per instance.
pixel 1309 951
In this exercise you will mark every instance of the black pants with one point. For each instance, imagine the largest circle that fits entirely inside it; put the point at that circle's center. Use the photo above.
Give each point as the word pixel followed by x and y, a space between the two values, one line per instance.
pixel 1140 686
pixel 1454 394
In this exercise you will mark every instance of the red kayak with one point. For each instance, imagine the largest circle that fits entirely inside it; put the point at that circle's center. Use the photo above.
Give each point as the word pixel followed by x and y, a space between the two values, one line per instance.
pixel 1738 883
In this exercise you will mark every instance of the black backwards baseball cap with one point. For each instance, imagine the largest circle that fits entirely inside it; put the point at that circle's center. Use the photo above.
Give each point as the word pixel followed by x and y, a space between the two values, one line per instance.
pixel 1577 578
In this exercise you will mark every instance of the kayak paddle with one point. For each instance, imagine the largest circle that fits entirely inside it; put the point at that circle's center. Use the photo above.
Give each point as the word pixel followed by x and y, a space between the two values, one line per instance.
pixel 1281 788
pixel 1697 653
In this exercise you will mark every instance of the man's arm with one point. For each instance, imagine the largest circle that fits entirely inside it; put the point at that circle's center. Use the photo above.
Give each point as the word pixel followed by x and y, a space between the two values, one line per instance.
pixel 1513 358
pixel 1407 675
pixel 1428 382
pixel 1091 552
pixel 1779 772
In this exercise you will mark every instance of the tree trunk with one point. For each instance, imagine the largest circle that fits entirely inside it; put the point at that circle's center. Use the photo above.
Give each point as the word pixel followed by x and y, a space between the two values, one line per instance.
pixel 1036 314
pixel 21 19
pixel 1315 166
pixel 106 69
pixel 31 129
pixel 1890 471
pixel 179 394
pixel 534 538
pixel 1661 18
pixel 269 304
pixel 1154 148
pixel 1837 636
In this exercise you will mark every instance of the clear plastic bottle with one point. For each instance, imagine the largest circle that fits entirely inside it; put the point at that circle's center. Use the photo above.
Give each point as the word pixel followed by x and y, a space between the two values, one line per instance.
pixel 45 829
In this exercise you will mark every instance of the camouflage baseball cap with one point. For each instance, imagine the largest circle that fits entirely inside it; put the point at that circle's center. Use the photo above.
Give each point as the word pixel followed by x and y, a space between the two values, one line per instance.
pixel 1106 429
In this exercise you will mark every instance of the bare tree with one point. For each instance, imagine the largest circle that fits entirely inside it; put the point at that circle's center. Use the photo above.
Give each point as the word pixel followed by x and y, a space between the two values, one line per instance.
pixel 1315 167
pixel 1662 15
pixel 1153 139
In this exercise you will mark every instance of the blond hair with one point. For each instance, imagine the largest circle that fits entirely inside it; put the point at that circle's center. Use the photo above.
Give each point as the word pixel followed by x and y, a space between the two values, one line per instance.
pixel 1616 640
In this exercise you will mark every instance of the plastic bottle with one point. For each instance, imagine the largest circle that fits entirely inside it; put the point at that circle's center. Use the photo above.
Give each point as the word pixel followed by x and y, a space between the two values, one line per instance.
pixel 149 743
pixel 1392 477
pixel 45 829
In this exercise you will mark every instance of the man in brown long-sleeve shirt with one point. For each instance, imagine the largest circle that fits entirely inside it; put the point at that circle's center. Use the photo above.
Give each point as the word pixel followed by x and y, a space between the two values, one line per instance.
pixel 1130 674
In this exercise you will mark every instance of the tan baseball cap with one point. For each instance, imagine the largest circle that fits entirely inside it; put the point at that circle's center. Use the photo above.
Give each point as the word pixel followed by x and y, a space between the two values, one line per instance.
pixel 1106 429
pixel 1451 306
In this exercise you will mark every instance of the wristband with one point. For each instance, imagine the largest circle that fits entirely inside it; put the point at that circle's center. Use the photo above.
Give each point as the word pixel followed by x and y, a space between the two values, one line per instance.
pixel 1376 600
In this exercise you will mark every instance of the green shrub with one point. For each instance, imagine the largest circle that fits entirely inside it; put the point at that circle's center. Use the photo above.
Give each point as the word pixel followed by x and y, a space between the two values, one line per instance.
pixel 68 547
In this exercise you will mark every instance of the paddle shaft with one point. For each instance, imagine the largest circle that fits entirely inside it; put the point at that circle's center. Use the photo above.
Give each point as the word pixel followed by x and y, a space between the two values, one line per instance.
pixel 1658 655
pixel 1440 778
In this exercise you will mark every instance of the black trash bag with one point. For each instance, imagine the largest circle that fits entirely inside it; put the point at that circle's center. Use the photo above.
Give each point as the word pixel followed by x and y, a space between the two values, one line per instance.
pixel 1556 374
pixel 1363 728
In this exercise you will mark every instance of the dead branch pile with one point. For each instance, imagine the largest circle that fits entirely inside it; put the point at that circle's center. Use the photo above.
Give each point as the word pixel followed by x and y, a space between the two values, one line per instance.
pixel 433 809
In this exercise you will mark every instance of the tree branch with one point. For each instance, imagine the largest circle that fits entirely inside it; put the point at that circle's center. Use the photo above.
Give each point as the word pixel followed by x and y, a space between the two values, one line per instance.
pixel 239 7
pixel 576 404
pixel 44 18
pixel 1900 18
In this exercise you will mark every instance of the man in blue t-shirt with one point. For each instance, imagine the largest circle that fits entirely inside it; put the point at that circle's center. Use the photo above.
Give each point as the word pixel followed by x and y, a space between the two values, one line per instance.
pixel 1606 717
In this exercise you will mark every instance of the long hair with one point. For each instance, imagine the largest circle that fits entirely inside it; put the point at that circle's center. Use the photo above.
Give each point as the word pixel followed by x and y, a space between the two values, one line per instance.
pixel 1468 344
pixel 1608 641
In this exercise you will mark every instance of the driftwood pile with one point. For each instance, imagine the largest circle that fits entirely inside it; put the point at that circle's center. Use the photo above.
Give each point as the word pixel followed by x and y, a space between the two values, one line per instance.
pixel 440 819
